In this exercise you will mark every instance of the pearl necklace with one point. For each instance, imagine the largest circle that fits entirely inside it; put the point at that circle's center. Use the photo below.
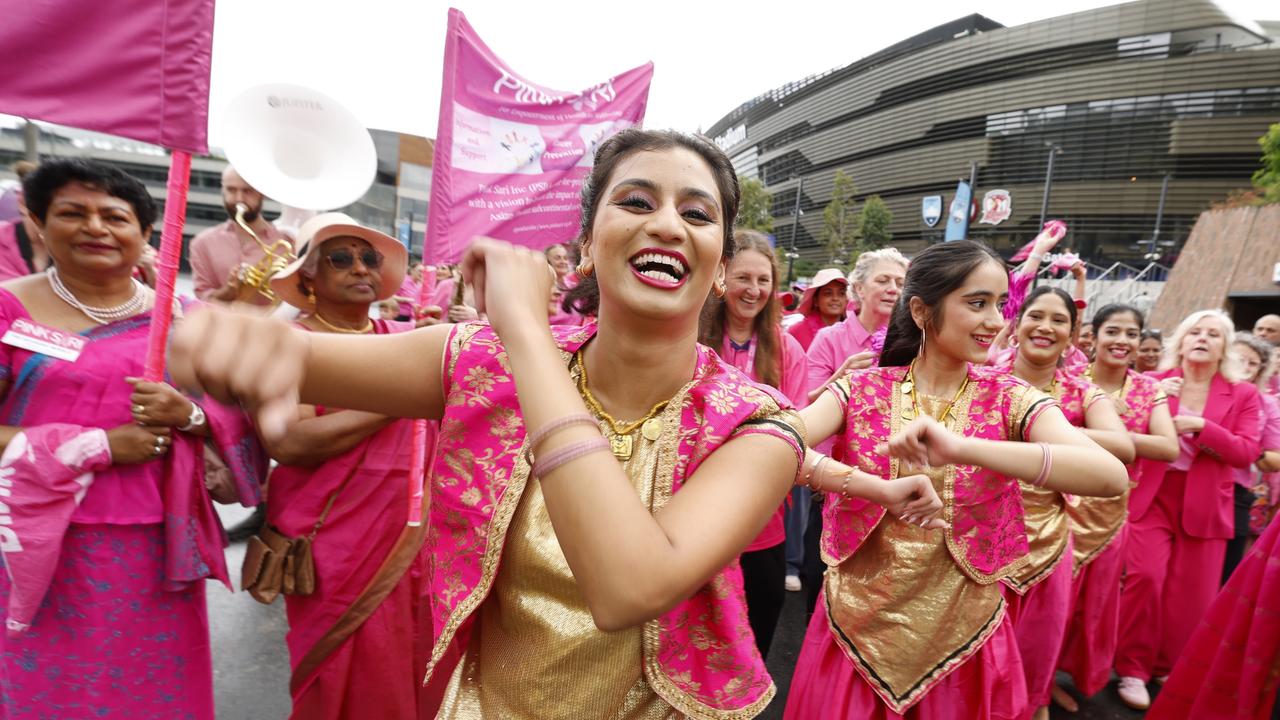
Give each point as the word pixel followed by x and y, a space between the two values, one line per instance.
pixel 103 316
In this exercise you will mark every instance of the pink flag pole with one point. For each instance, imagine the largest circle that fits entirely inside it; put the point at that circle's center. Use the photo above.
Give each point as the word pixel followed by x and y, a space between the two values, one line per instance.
pixel 175 213
pixel 417 463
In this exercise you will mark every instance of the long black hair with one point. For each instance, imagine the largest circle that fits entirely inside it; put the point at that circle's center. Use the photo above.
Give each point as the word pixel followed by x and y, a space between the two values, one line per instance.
pixel 585 297
pixel 931 276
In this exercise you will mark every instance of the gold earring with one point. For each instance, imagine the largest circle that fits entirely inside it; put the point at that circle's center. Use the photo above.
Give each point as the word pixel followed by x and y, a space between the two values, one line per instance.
pixel 719 289
pixel 311 296
pixel 585 268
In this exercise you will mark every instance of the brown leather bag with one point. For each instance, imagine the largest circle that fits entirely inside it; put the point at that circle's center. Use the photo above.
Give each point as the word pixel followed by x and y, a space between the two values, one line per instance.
pixel 275 563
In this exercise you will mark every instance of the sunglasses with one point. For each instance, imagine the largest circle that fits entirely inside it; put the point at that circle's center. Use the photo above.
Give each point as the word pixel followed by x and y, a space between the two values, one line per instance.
pixel 345 259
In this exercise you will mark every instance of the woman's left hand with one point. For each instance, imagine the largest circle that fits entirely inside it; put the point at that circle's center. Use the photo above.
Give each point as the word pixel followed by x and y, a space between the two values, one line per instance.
pixel 512 284
pixel 158 404
pixel 1188 424
pixel 913 499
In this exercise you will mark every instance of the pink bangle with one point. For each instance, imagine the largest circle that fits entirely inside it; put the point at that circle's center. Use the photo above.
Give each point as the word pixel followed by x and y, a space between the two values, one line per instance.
pixel 1046 465
pixel 542 433
pixel 567 454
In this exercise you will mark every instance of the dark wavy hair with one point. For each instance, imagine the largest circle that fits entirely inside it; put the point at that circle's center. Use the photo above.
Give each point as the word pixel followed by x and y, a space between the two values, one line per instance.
pixel 1106 311
pixel 1066 299
pixel 39 187
pixel 931 276
pixel 585 297
pixel 767 327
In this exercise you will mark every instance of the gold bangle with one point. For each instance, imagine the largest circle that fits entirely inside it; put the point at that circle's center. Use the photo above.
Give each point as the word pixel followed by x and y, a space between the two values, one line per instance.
pixel 816 475
pixel 844 486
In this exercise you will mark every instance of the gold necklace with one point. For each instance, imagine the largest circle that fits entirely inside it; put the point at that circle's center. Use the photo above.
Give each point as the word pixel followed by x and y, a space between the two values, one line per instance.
pixel 909 389
pixel 1117 396
pixel 368 325
pixel 619 434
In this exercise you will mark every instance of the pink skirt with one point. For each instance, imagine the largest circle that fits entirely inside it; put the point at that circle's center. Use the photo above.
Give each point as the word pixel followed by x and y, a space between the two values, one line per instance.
pixel 826 686
pixel 1040 623
pixel 109 640
pixel 1094 628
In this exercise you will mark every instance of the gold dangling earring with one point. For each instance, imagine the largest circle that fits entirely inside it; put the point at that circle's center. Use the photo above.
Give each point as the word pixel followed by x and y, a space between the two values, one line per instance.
pixel 311 296
pixel 585 268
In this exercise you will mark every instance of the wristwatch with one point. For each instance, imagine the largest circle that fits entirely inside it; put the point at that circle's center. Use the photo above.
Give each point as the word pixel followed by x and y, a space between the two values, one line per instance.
pixel 195 420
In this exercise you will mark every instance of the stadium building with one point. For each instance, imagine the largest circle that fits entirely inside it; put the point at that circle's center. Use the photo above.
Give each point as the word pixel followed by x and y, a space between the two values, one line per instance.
pixel 1150 109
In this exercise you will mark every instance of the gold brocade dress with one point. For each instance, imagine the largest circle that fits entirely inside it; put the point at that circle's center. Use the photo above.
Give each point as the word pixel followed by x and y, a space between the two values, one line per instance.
pixel 535 652
pixel 910 613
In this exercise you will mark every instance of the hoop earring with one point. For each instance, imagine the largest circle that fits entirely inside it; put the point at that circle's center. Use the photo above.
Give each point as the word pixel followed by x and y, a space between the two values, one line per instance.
pixel 718 289
pixel 585 268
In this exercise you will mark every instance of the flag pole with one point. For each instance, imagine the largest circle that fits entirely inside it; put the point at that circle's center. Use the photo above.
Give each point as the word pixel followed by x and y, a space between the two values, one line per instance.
pixel 175 213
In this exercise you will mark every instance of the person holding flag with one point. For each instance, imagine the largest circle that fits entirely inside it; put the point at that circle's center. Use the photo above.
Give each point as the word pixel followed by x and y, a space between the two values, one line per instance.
pixel 108 478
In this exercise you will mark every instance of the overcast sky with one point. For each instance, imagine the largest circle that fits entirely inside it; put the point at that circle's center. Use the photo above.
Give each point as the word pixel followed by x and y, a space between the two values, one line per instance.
pixel 382 58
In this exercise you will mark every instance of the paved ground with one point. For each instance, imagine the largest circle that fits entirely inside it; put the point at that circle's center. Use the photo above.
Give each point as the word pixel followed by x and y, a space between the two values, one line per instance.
pixel 251 664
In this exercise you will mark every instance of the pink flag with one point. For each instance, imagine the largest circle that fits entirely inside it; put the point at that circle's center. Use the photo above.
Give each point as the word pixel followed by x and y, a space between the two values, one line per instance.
pixel 139 70
pixel 44 473
pixel 511 155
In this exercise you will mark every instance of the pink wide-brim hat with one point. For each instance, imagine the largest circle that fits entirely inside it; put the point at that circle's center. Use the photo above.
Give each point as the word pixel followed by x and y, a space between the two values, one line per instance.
pixel 825 277
pixel 312 235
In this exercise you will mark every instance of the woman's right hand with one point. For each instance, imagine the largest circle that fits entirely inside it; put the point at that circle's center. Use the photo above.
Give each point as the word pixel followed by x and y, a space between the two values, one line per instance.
pixel 1171 386
pixel 236 357
pixel 512 284
pixel 131 443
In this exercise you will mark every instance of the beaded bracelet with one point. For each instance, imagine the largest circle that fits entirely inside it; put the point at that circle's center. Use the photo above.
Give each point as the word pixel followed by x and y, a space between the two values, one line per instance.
pixel 567 454
pixel 1046 465
pixel 536 438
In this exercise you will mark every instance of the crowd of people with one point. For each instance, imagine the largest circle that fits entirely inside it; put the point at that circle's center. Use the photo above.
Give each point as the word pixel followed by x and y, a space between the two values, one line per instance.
pixel 633 452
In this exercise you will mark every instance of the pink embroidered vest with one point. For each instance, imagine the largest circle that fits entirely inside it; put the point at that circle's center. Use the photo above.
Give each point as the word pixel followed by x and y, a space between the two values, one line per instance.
pixel 987 538
pixel 699 656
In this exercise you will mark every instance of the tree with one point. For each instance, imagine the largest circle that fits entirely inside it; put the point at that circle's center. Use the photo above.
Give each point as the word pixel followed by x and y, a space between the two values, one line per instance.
pixel 1267 178
pixel 755 209
pixel 872 225
pixel 838 232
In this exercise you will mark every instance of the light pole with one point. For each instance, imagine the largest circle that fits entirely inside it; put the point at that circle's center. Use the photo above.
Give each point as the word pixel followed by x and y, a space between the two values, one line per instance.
pixel 1054 149
pixel 795 228
pixel 1154 254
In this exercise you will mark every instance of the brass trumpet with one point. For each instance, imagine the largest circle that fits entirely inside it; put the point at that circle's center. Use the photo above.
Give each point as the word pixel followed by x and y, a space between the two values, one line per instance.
pixel 275 257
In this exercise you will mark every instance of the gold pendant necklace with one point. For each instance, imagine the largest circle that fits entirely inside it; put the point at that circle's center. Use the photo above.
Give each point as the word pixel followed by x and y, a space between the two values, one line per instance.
pixel 621 442
pixel 908 388
pixel 368 325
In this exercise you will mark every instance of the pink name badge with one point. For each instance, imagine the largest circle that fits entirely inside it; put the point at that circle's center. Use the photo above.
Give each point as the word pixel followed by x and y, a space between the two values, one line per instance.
pixel 45 340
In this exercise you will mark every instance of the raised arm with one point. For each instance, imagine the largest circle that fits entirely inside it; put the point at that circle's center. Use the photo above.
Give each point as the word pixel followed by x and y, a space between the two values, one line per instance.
pixel 269 367
pixel 630 565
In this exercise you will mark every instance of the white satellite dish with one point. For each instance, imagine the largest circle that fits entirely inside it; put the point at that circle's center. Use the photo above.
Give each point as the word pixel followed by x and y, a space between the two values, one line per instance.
pixel 299 146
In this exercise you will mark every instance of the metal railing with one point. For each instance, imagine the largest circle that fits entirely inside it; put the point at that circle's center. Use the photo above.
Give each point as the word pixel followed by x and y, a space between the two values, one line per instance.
pixel 1116 283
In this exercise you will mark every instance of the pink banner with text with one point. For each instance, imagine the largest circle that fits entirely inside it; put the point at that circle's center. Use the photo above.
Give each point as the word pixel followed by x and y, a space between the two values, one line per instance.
pixel 139 70
pixel 511 156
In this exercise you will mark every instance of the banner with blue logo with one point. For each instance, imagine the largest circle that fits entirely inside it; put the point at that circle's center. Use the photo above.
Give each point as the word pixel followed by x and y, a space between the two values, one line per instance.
pixel 958 217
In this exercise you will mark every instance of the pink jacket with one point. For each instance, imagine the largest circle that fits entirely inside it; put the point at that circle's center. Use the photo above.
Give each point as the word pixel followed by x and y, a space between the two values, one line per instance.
pixel 1231 438
pixel 699 656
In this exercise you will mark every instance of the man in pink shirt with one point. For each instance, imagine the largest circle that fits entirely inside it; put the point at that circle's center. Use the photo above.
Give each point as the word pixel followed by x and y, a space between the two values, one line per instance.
pixel 220 253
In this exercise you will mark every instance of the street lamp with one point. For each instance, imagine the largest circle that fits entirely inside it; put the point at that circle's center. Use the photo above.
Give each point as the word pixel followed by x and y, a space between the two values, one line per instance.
pixel 1054 149
pixel 796 212
pixel 1154 254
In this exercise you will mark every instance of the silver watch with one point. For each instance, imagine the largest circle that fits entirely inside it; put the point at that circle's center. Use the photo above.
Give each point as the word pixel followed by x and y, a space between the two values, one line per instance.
pixel 195 420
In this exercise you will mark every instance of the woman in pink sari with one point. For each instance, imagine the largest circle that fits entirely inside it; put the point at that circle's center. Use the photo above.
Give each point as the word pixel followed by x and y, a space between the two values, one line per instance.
pixel 358 643
pixel 1039 593
pixel 592 485
pixel 1180 520
pixel 743 327
pixel 122 630
pixel 1098 524
pixel 913 624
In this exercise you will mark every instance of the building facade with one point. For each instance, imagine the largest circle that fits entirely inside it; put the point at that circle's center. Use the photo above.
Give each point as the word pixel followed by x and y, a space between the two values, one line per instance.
pixel 1149 106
